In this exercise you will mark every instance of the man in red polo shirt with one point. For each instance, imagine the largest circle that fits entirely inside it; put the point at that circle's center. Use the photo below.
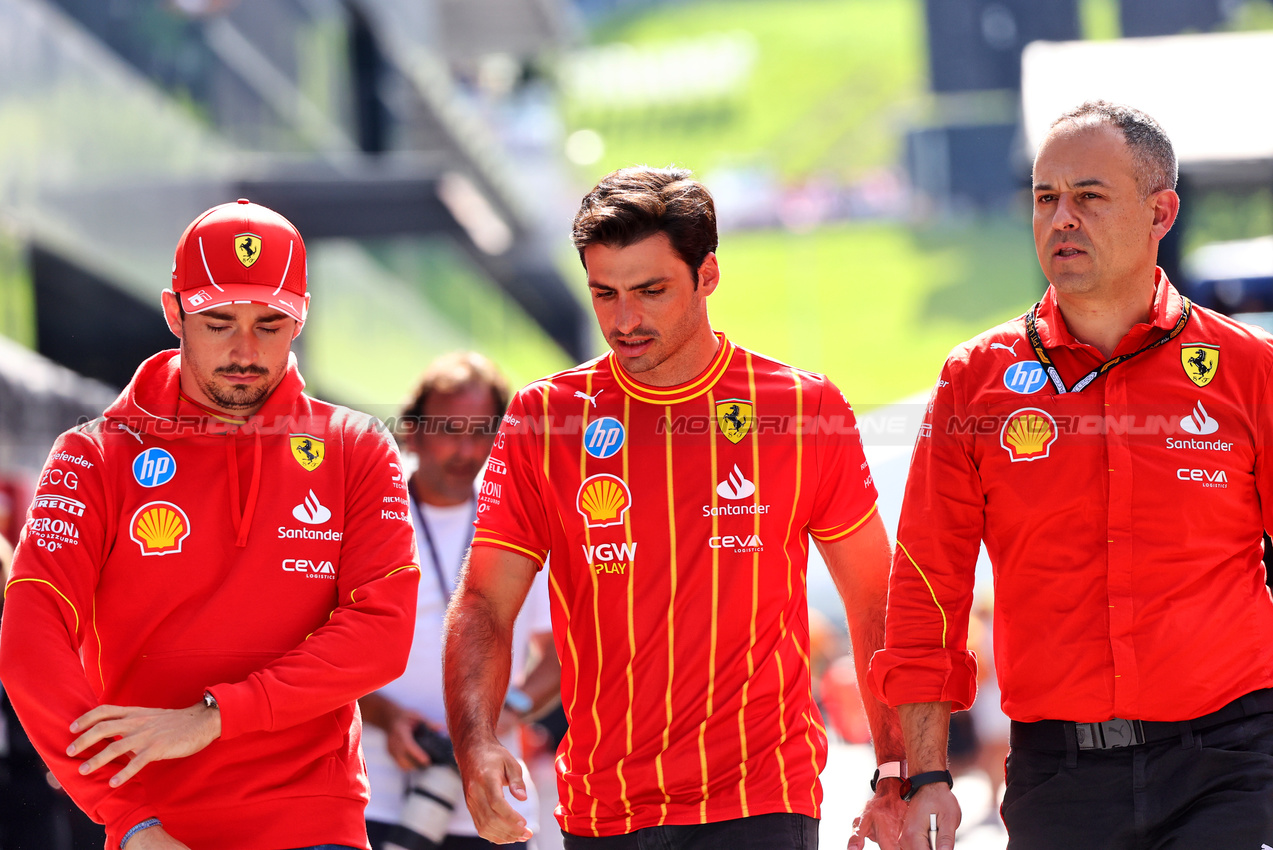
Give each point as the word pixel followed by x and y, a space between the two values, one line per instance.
pixel 676 482
pixel 212 573
pixel 1112 448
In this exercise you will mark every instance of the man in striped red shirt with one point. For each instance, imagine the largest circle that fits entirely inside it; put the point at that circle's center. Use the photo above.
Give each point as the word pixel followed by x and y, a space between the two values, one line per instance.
pixel 676 482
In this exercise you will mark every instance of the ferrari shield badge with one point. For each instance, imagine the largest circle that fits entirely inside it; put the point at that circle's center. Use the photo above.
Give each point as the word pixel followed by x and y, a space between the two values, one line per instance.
pixel 247 247
pixel 733 418
pixel 1200 360
pixel 307 450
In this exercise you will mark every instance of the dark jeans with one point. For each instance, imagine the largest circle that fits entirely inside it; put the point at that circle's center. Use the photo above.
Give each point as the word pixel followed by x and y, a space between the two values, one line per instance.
pixel 1214 789
pixel 378 832
pixel 780 831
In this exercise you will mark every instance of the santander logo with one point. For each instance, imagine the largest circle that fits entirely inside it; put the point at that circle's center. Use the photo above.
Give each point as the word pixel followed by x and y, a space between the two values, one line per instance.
pixel 1198 422
pixel 311 511
pixel 736 486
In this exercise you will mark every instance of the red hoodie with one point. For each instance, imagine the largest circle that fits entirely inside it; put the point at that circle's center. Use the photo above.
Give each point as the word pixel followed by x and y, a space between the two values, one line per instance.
pixel 169 551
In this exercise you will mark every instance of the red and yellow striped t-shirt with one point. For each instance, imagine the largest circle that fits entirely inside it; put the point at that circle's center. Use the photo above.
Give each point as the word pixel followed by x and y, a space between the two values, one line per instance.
pixel 677 518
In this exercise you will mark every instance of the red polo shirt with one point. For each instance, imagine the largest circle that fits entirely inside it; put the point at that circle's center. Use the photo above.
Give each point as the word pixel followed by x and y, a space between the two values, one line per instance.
pixel 1123 522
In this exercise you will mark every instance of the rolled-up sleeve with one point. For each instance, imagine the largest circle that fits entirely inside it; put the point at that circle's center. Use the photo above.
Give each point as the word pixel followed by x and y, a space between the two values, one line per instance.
pixel 925 656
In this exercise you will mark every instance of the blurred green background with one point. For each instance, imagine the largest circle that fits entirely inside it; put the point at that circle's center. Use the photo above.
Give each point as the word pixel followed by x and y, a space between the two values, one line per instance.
pixel 830 90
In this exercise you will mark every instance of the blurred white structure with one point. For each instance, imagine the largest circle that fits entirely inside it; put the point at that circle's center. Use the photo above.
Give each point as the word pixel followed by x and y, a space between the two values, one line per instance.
pixel 1203 89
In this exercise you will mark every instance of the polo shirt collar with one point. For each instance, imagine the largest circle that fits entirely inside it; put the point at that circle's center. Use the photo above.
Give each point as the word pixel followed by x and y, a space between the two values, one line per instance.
pixel 1164 312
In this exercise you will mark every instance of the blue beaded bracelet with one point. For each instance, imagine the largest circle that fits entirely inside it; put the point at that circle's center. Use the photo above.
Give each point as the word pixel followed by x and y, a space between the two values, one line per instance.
pixel 146 824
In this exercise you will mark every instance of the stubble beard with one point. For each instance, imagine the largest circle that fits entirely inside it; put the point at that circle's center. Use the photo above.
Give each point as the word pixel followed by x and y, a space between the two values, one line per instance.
pixel 239 398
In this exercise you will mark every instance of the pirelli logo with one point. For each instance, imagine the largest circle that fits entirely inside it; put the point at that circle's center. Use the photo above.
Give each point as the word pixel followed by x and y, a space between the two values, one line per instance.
pixel 60 503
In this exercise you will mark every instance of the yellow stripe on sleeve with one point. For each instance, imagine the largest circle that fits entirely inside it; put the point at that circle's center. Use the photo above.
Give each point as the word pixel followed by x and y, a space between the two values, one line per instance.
pixel 547 476
pixel 826 535
pixel 538 557
pixel 101 677
pixel 353 599
pixel 55 590
pixel 933 593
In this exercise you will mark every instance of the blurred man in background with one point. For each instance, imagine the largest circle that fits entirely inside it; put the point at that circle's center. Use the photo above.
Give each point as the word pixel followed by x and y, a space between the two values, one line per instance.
pixel 210 575
pixel 675 482
pixel 448 424
pixel 1112 447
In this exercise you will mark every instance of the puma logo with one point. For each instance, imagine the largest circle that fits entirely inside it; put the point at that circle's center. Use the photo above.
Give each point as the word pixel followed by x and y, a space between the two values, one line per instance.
pixel 1011 349
pixel 591 398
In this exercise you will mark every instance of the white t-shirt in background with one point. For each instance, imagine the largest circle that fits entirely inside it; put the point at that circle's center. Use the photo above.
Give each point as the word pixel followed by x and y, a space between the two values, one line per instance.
pixel 420 687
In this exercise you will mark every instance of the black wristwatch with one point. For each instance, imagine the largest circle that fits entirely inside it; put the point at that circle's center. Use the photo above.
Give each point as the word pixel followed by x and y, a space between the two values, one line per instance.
pixel 911 784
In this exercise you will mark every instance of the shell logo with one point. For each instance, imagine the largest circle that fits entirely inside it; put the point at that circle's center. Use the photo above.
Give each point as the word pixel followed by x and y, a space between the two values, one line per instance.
pixel 603 500
pixel 159 528
pixel 1028 434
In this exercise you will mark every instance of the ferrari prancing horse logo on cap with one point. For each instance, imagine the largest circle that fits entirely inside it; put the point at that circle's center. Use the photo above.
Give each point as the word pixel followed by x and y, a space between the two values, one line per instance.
pixel 247 247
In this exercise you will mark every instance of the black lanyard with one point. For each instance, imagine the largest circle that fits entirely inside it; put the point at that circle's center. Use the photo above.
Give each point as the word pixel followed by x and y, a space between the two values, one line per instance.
pixel 1041 353
pixel 443 585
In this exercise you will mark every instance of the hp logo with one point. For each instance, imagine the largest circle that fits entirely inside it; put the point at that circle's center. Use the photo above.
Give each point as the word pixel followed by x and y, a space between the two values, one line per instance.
pixel 154 467
pixel 603 437
pixel 1025 377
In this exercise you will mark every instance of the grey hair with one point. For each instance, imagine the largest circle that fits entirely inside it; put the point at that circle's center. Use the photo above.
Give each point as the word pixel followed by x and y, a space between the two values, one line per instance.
pixel 1153 157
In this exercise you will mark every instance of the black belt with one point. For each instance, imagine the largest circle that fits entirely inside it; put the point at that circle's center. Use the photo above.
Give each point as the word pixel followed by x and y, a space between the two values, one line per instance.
pixel 1065 735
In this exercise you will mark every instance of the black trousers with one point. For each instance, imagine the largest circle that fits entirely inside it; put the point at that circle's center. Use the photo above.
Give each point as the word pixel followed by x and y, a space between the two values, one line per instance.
pixel 780 831
pixel 378 833
pixel 1213 790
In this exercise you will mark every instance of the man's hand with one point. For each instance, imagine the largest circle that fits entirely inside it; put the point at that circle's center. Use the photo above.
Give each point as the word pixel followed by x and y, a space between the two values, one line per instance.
pixel 148 734
pixel 882 817
pixel 486 770
pixel 154 838
pixel 404 750
pixel 399 724
pixel 934 798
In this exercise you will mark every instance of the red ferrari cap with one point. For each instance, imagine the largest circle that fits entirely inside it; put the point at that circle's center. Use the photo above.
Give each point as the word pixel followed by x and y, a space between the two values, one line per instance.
pixel 241 253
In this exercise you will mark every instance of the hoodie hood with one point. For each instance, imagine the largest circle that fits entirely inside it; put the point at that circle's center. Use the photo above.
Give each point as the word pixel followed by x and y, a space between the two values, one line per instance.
pixel 151 404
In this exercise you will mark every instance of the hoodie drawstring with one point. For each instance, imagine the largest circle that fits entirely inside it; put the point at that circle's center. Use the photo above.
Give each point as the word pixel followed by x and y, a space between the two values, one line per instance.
pixel 242 515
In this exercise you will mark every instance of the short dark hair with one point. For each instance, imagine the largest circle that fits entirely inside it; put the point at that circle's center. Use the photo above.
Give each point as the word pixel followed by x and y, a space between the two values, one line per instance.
pixel 449 373
pixel 1153 156
pixel 632 204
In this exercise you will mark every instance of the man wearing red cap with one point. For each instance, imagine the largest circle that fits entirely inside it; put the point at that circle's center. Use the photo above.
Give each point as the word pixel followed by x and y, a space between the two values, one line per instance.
pixel 212 573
